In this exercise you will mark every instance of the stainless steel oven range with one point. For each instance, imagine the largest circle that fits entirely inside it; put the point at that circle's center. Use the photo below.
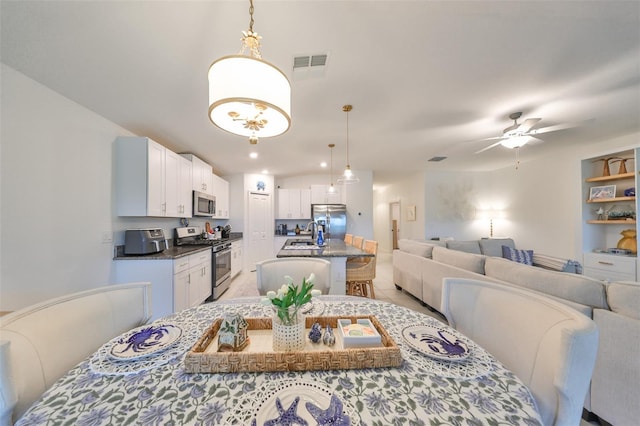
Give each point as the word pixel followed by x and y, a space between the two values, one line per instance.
pixel 220 259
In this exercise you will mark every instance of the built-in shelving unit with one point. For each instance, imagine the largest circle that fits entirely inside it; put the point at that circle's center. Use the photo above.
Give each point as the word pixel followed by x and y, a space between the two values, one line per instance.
pixel 602 229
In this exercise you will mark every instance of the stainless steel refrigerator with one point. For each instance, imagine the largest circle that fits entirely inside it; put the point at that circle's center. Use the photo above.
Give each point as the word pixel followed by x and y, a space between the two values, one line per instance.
pixel 332 218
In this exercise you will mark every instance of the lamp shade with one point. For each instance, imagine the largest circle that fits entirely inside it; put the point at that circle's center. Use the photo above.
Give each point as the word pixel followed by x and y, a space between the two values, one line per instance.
pixel 515 141
pixel 249 97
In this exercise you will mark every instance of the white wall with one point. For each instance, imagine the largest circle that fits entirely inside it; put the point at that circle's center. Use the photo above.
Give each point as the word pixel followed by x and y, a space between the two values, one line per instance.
pixel 55 194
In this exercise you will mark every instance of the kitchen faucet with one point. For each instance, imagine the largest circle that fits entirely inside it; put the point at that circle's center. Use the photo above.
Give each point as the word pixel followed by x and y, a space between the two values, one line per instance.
pixel 313 224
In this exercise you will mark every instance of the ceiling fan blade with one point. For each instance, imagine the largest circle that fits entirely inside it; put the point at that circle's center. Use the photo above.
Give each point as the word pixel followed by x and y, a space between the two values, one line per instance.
pixel 528 124
pixel 488 147
pixel 534 141
pixel 554 128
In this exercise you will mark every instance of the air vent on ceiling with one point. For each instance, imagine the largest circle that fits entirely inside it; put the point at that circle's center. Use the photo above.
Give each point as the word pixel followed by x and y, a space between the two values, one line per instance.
pixel 435 159
pixel 309 66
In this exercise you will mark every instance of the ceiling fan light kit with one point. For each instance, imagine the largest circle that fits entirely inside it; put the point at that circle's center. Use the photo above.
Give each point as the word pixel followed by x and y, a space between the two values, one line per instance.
pixel 348 177
pixel 249 96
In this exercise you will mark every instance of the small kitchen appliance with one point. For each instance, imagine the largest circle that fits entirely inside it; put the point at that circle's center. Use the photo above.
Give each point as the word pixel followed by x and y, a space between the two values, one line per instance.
pixel 203 204
pixel 144 241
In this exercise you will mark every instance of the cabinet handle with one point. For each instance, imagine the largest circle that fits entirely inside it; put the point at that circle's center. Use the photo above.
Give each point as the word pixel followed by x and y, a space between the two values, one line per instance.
pixel 605 263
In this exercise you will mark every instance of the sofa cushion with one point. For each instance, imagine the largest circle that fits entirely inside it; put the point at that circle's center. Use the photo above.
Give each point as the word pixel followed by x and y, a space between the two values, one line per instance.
pixel 624 298
pixel 419 248
pixel 573 287
pixel 493 246
pixel 520 256
pixel 466 246
pixel 469 261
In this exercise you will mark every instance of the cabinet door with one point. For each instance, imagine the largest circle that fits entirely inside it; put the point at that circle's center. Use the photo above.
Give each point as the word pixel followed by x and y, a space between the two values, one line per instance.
pixel 155 179
pixel 185 194
pixel 221 192
pixel 172 184
pixel 305 204
pixel 181 290
pixel 236 258
pixel 283 211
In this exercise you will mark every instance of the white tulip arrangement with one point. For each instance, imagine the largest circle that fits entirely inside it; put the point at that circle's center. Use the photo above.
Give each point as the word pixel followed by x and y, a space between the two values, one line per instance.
pixel 289 298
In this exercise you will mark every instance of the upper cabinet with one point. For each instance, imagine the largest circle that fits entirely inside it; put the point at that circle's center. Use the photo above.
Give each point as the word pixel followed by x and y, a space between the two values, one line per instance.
pixel 202 174
pixel 320 194
pixel 609 208
pixel 150 180
pixel 221 192
pixel 294 204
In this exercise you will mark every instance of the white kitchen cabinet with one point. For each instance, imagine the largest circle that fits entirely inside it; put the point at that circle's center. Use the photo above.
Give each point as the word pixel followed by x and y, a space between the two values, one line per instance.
pixel 221 192
pixel 236 258
pixel 320 195
pixel 176 283
pixel 185 187
pixel 202 174
pixel 199 277
pixel 294 204
pixel 147 179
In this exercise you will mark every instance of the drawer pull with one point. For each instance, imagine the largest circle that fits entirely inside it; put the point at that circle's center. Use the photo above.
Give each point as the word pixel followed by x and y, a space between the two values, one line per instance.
pixel 605 263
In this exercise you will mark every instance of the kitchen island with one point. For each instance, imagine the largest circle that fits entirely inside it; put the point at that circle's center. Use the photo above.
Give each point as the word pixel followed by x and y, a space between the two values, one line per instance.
pixel 334 250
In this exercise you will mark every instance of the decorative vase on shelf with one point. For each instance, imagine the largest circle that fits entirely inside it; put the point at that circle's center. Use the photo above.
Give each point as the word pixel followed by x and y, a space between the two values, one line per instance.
pixel 628 241
pixel 288 329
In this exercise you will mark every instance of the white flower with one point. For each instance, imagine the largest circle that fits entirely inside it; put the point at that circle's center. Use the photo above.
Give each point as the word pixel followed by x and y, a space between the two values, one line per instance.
pixel 315 292
pixel 288 279
pixel 311 278
pixel 266 301
pixel 271 294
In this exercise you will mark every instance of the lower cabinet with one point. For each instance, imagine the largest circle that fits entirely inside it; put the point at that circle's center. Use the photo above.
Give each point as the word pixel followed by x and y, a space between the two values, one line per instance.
pixel 176 284
pixel 610 267
pixel 236 258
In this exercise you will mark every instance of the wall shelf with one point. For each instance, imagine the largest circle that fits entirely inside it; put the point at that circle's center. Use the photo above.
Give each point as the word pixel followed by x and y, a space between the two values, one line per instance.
pixel 611 200
pixel 612 222
pixel 612 177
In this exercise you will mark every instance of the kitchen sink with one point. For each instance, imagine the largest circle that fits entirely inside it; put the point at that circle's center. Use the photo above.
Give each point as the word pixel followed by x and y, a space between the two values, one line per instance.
pixel 302 243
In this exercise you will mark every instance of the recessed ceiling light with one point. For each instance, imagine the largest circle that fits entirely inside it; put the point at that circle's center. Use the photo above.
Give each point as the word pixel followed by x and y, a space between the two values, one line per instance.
pixel 323 164
pixel 265 171
pixel 253 155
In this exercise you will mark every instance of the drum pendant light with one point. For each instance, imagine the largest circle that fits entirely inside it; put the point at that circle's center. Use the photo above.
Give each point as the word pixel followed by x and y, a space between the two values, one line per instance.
pixel 248 96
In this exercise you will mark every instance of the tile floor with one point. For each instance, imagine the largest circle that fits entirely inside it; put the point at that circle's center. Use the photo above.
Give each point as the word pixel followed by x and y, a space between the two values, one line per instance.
pixel 245 285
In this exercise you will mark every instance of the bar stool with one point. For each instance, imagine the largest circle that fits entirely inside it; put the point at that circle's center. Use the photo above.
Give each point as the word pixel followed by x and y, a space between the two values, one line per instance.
pixel 360 275
pixel 358 242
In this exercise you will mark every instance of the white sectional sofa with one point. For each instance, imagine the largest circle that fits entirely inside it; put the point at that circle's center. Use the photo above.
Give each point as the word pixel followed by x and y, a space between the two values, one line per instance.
pixel 419 267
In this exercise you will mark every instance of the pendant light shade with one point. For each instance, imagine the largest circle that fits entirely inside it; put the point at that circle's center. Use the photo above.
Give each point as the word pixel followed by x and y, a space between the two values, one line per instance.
pixel 348 177
pixel 247 95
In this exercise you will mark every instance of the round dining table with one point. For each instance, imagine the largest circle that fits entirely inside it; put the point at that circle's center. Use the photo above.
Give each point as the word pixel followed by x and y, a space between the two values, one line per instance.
pixel 157 390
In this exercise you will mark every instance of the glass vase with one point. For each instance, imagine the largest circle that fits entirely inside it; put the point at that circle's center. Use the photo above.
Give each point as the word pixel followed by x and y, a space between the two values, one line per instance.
pixel 288 329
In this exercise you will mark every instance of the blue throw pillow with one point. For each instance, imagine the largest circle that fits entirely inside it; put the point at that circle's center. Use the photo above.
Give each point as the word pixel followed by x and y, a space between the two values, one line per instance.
pixel 520 256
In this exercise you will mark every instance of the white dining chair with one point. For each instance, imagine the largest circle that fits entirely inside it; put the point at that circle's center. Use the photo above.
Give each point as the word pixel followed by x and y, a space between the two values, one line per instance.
pixel 548 345
pixel 42 342
pixel 270 273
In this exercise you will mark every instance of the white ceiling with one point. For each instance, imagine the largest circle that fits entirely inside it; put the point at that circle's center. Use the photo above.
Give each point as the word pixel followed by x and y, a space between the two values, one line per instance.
pixel 426 78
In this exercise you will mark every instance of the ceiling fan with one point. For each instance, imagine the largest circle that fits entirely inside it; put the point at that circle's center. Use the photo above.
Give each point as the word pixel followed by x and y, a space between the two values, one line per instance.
pixel 519 134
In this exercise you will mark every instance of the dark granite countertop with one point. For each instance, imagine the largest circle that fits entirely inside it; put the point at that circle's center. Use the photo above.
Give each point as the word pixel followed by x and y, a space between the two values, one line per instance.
pixel 332 248
pixel 173 252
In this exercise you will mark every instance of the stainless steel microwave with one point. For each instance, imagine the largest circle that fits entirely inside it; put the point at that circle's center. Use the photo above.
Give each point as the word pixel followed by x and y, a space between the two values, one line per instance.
pixel 203 204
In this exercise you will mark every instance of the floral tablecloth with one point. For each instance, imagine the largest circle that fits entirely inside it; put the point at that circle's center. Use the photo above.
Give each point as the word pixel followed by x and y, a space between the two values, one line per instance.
pixel 422 391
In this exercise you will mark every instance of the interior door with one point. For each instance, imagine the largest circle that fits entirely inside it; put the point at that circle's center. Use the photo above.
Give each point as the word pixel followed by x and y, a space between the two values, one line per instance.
pixel 260 227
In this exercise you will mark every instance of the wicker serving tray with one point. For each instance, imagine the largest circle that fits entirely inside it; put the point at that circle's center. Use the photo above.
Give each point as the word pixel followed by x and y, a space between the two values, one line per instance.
pixel 259 355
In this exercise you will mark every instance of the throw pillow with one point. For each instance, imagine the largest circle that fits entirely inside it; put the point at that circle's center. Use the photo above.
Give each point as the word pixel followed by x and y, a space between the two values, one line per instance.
pixel 520 256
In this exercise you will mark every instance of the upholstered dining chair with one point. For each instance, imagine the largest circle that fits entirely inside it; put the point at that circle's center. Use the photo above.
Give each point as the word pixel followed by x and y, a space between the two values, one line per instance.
pixel 42 342
pixel 360 274
pixel 548 345
pixel 270 273
pixel 348 239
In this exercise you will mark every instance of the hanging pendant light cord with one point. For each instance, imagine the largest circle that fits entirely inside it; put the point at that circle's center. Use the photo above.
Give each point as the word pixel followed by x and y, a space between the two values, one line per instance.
pixel 346 109
pixel 251 15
